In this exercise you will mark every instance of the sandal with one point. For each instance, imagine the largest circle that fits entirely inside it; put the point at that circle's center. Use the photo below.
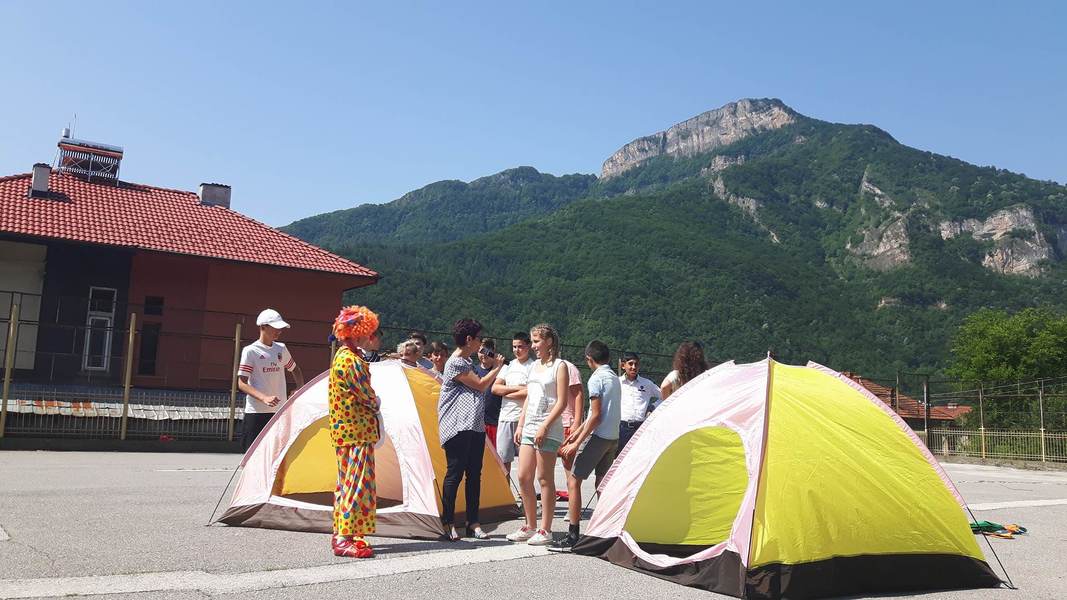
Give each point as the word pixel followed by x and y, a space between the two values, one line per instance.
pixel 477 533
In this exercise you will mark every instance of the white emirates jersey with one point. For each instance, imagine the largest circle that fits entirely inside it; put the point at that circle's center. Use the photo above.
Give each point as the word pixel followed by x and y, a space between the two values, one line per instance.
pixel 263 366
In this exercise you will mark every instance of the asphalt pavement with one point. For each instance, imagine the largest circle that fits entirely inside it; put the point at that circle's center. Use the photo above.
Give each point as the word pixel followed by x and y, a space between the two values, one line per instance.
pixel 132 525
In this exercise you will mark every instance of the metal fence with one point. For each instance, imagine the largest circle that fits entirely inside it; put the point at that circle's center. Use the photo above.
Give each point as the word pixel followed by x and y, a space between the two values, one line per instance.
pixel 103 368
pixel 994 444
pixel 153 372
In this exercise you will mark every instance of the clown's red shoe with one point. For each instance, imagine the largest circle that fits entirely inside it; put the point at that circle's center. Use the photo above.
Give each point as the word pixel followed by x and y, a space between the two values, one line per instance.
pixel 351 548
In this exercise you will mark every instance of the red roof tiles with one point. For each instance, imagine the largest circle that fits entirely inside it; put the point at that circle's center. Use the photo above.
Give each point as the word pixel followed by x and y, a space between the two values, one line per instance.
pixel 906 406
pixel 151 218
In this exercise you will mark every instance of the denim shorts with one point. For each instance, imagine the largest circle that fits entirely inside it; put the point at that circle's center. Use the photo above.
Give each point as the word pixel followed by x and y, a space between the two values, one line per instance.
pixel 549 445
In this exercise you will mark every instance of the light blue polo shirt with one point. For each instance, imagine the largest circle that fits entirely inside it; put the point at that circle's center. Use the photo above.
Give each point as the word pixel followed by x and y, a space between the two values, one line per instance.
pixel 604 384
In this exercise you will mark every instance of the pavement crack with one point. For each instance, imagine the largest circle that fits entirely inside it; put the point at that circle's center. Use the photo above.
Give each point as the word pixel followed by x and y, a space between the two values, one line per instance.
pixel 53 569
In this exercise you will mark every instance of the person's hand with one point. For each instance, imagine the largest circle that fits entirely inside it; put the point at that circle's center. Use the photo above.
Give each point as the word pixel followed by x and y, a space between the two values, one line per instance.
pixel 539 437
pixel 571 438
pixel 498 361
pixel 518 436
pixel 566 451
pixel 271 401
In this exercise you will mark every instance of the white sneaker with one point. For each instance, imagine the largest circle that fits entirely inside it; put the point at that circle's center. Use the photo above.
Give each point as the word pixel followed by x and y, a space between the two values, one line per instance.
pixel 523 534
pixel 541 538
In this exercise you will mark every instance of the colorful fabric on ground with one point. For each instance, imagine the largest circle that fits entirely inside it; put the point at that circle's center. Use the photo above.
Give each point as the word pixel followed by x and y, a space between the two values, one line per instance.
pixel 353 403
pixel 355 501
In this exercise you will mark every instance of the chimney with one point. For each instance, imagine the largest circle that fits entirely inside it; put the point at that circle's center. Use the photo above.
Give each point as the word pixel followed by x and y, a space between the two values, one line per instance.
pixel 215 194
pixel 39 182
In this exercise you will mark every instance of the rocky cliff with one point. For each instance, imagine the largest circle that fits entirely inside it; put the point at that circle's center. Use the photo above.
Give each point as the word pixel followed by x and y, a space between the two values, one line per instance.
pixel 703 133
pixel 1019 247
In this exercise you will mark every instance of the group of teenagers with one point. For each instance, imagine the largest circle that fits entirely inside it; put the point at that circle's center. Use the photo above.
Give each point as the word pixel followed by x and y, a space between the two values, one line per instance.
pixel 544 414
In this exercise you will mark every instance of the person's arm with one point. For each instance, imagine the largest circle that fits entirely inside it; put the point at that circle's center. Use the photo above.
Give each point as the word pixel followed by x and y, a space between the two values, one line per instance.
pixel 577 405
pixel 482 383
pixel 501 388
pixel 358 381
pixel 654 400
pixel 562 378
pixel 586 429
pixel 298 376
pixel 244 386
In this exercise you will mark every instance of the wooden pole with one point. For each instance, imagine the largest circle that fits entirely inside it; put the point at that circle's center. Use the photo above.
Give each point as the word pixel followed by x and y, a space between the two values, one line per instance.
pixel 9 363
pixel 128 375
pixel 233 381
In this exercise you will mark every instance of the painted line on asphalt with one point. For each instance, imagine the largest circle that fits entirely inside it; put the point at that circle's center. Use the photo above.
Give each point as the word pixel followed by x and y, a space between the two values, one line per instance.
pixel 235 583
pixel 1018 504
pixel 193 470
pixel 3 535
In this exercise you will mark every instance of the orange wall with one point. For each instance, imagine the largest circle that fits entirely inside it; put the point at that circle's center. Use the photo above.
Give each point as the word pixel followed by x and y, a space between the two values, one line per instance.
pixel 203 301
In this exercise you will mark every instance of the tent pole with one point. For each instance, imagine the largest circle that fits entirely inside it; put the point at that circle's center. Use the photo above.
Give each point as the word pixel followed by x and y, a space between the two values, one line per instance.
pixel 762 460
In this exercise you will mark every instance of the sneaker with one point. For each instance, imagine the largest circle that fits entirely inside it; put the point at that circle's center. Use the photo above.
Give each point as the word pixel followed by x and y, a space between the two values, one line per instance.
pixel 565 544
pixel 523 534
pixel 541 538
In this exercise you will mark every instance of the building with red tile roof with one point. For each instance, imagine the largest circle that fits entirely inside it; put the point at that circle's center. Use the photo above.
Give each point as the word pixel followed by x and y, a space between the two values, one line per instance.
pixel 910 409
pixel 81 251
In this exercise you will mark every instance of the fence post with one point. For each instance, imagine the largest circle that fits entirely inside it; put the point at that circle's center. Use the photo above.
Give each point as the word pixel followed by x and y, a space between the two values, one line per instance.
pixel 1041 413
pixel 981 415
pixel 233 380
pixel 9 363
pixel 126 377
pixel 896 394
pixel 926 408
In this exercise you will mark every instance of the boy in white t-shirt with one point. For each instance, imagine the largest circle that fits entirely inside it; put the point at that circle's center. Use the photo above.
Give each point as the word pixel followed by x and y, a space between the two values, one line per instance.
pixel 261 376
pixel 511 387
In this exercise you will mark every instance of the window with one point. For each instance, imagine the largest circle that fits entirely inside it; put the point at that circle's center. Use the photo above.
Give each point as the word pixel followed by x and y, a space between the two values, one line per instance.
pixel 99 326
pixel 153 305
pixel 146 358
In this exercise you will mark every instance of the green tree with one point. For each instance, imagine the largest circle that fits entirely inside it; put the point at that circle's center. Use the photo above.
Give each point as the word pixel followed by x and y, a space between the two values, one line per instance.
pixel 993 345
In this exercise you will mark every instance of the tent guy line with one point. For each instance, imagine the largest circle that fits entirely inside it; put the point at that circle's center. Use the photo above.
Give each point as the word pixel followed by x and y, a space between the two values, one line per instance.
pixel 231 583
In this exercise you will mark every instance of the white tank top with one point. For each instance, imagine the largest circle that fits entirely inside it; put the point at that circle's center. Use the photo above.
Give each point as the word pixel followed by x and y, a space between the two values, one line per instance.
pixel 540 399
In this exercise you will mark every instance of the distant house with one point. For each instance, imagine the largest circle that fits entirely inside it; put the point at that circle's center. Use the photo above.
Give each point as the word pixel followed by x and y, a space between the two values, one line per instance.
pixel 81 250
pixel 910 409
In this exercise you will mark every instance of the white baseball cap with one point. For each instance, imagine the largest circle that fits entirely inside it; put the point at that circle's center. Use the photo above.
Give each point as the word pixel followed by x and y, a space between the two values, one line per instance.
pixel 271 317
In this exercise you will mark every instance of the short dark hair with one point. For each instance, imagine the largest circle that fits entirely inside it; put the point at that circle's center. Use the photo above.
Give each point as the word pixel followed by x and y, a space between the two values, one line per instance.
pixel 463 328
pixel 522 336
pixel 438 347
pixel 598 352
pixel 416 335
pixel 489 344
pixel 628 356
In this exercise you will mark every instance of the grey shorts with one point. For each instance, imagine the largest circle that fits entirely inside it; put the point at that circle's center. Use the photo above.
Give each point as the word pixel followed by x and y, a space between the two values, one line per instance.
pixel 595 454
pixel 505 440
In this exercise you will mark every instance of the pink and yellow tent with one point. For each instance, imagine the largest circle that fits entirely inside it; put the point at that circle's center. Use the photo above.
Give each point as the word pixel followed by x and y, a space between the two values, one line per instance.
pixel 766 480
pixel 290 472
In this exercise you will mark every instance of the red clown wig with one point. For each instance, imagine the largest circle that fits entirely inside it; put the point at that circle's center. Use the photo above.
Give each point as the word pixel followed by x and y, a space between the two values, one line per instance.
pixel 355 322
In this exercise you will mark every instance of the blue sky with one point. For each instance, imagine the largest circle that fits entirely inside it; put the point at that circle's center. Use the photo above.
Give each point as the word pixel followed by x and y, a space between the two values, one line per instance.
pixel 305 110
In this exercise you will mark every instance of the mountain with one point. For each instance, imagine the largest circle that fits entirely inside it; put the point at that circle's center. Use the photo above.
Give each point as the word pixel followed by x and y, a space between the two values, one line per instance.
pixel 447 210
pixel 751 227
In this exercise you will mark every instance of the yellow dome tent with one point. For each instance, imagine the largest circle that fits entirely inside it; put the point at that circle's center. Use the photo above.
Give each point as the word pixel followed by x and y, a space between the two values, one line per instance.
pixel 766 480
pixel 290 472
